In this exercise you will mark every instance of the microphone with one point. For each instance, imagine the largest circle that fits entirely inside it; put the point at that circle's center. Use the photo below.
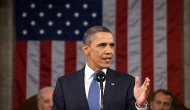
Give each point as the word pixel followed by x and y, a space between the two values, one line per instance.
pixel 100 77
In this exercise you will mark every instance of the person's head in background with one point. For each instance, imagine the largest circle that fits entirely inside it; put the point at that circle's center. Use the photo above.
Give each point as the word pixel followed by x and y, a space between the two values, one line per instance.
pixel 44 98
pixel 162 100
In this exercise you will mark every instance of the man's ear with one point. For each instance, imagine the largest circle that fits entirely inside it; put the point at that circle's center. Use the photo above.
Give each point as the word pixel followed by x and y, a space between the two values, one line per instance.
pixel 39 106
pixel 85 48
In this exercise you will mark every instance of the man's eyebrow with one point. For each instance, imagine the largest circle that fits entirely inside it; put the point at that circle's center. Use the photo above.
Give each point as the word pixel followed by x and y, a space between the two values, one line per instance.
pixel 102 43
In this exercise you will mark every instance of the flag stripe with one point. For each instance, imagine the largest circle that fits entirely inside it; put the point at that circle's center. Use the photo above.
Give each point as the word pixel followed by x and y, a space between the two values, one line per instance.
pixel 70 56
pixel 81 57
pixel 121 36
pixel 20 73
pixel 57 60
pixel 160 72
pixel 174 47
pixel 134 37
pixel 33 67
pixel 147 41
pixel 45 63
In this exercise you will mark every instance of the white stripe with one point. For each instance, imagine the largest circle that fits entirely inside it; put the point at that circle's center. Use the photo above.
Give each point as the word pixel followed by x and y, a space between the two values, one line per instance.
pixel 108 19
pixel 81 57
pixel 57 60
pixel 134 37
pixel 160 61
pixel 32 69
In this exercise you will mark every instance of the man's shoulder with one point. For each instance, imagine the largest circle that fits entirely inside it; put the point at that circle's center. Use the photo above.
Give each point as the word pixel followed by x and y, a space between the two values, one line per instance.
pixel 72 74
pixel 119 73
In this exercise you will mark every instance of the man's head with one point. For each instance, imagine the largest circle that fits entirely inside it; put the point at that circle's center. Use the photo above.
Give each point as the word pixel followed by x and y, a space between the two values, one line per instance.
pixel 98 46
pixel 162 100
pixel 44 98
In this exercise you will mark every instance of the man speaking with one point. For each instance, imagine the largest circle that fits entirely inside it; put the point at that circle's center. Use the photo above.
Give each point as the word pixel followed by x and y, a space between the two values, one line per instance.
pixel 82 91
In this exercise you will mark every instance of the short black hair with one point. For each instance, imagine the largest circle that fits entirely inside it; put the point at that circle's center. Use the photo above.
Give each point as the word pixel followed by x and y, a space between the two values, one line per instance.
pixel 89 34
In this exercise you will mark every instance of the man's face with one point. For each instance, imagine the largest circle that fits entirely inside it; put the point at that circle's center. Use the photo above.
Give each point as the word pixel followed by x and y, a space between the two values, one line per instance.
pixel 161 102
pixel 100 52
pixel 46 102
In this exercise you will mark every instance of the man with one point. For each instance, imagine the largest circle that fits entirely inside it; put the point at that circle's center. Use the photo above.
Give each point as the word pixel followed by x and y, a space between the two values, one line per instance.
pixel 44 98
pixel 162 100
pixel 71 91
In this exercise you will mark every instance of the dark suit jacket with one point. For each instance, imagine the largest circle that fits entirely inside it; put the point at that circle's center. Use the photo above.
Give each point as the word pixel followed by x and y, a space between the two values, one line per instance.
pixel 69 93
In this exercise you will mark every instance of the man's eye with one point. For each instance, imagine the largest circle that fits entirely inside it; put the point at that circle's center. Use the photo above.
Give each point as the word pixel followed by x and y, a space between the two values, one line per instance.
pixel 101 45
pixel 46 101
pixel 166 104
pixel 112 45
pixel 158 102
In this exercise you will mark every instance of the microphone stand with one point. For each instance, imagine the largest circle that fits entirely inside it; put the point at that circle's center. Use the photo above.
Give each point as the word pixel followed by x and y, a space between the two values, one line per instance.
pixel 101 88
pixel 100 77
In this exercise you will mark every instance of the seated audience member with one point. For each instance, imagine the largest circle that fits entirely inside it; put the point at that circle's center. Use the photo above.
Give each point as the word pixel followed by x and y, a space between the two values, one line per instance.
pixel 44 98
pixel 162 100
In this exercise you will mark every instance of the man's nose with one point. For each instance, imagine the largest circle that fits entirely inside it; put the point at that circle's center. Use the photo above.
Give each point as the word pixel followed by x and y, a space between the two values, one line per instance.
pixel 161 107
pixel 108 50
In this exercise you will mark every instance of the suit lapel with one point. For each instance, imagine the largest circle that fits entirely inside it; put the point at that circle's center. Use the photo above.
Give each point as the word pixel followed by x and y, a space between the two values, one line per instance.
pixel 110 88
pixel 78 86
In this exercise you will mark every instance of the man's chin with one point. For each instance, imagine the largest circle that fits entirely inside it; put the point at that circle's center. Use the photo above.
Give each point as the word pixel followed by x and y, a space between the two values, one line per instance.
pixel 105 66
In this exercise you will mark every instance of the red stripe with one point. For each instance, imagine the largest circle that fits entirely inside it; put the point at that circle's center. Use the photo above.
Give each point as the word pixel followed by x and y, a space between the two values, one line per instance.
pixel 147 41
pixel 20 74
pixel 174 47
pixel 121 35
pixel 45 63
pixel 70 56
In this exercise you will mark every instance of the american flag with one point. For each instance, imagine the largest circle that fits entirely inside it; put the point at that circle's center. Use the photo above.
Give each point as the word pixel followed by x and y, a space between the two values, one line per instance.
pixel 49 36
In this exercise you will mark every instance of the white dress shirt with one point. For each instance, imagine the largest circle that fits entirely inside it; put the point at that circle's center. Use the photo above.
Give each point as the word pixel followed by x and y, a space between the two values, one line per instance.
pixel 88 77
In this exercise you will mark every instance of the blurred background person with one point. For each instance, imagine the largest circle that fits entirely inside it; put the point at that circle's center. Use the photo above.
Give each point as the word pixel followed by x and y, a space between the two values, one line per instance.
pixel 44 98
pixel 162 100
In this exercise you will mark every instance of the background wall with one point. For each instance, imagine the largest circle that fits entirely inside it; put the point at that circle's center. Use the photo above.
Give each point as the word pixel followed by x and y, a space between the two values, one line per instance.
pixel 186 50
pixel 6 54
pixel 7 48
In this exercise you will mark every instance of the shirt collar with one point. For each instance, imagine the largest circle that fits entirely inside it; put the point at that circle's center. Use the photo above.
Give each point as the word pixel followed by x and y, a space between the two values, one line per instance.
pixel 88 72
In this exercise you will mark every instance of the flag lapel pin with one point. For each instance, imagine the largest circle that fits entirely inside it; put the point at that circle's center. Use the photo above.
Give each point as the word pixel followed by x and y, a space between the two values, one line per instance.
pixel 112 84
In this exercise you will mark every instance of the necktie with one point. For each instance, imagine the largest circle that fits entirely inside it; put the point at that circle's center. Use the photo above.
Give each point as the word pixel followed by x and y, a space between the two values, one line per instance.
pixel 94 94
